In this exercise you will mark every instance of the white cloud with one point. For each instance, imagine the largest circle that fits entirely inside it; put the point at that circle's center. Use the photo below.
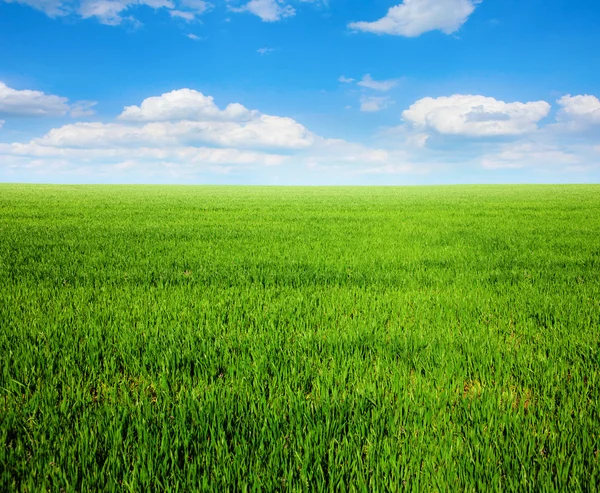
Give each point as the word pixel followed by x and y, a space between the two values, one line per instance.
pixel 116 12
pixel 265 51
pixel 183 117
pixel 415 17
pixel 183 132
pixel 186 132
pixel 264 132
pixel 194 37
pixel 346 80
pixel 106 11
pixel 2 122
pixel 110 11
pixel 189 10
pixel 184 104
pixel 31 103
pixel 267 10
pixel 372 103
pixel 579 111
pixel 475 116
pixel 185 15
pixel 383 86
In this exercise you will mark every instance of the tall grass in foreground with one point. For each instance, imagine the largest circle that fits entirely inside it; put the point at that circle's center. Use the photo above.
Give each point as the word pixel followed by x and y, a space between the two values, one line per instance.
pixel 323 339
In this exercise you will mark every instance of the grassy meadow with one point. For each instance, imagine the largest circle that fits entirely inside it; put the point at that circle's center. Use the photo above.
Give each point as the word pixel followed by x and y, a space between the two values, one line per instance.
pixel 299 339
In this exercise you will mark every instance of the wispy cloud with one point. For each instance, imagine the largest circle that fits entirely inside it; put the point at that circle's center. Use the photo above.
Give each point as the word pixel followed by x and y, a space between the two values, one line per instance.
pixel 267 10
pixel 116 12
pixel 382 85
pixel 30 103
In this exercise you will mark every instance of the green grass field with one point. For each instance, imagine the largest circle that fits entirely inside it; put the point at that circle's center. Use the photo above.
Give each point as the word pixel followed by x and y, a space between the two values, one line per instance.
pixel 322 339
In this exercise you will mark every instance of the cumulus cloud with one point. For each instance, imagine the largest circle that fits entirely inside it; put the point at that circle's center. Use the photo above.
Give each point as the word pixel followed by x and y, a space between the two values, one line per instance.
pixel 267 10
pixel 373 104
pixel 184 104
pixel 31 103
pixel 180 126
pixel 186 130
pixel 475 116
pixel 579 111
pixel 383 86
pixel 414 17
pixel 346 80
pixel 14 102
pixel 263 132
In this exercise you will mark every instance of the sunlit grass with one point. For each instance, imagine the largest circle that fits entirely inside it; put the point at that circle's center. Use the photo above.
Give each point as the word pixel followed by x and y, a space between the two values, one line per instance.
pixel 368 339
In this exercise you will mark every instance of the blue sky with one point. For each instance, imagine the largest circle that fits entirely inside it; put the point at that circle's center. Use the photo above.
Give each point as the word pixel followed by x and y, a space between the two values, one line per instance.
pixel 300 91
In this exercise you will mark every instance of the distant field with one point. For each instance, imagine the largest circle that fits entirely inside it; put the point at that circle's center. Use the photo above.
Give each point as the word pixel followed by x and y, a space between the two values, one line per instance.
pixel 339 339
